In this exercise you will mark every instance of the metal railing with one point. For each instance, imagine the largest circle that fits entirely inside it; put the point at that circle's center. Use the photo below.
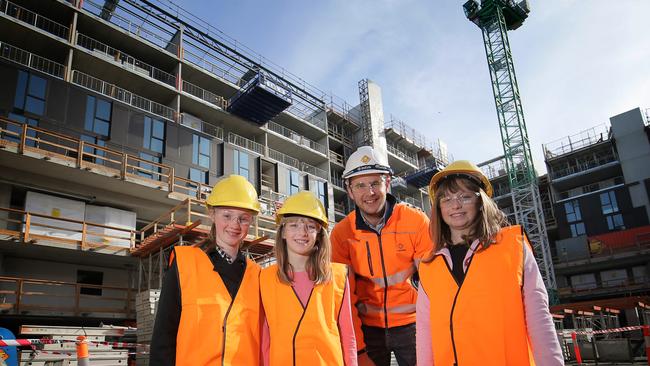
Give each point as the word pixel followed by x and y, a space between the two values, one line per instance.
pixel 340 134
pixel 205 95
pixel 295 137
pixel 408 157
pixel 247 144
pixel 45 297
pixel 336 158
pixel 314 170
pixel 283 158
pixel 128 62
pixel 34 19
pixel 575 142
pixel 154 34
pixel 31 60
pixel 337 180
pixel 122 95
pixel 591 162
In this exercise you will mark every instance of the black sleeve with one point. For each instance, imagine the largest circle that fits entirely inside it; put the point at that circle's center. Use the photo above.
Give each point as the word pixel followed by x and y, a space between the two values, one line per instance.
pixel 163 341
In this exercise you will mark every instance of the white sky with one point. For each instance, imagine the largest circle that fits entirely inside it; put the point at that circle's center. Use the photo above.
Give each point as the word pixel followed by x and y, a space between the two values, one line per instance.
pixel 577 62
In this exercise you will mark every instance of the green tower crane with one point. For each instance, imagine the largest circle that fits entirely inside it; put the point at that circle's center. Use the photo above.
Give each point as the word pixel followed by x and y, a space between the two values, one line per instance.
pixel 495 18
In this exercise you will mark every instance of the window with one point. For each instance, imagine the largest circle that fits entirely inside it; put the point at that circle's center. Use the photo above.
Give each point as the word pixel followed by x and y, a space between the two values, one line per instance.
pixel 90 278
pixel 149 170
pixel 201 153
pixel 98 116
pixel 609 207
pixel 198 175
pixel 92 150
pixel 574 218
pixel 321 192
pixel 608 202
pixel 30 93
pixel 241 164
pixel 154 134
pixel 18 129
pixel 294 182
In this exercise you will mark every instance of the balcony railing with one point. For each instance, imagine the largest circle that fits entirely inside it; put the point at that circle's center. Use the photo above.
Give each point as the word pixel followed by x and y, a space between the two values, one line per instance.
pixel 148 30
pixel 297 138
pixel 49 230
pixel 575 142
pixel 128 62
pixel 122 95
pixel 46 297
pixel 340 134
pixel 31 60
pixel 34 19
pixel 205 95
pixel 247 144
pixel 336 158
pixel 286 159
pixel 339 208
pixel 582 165
pixel 314 170
pixel 72 152
pixel 337 180
pixel 624 285
pixel 408 157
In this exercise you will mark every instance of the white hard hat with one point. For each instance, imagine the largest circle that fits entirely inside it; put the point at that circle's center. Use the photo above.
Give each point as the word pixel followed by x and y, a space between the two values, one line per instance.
pixel 366 161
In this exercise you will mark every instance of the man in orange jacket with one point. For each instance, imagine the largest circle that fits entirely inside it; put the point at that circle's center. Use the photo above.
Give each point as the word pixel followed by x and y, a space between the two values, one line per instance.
pixel 382 241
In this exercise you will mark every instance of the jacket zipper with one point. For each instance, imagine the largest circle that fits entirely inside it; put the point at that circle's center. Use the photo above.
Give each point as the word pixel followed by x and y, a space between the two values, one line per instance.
pixel 223 329
pixel 372 272
pixel 383 269
pixel 453 306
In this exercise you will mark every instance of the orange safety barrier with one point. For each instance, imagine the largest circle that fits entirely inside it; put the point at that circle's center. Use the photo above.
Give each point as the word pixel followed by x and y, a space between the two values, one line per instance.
pixel 82 351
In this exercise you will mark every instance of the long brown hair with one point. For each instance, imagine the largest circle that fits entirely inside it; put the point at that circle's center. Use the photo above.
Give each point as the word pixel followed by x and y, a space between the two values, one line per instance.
pixel 489 220
pixel 318 265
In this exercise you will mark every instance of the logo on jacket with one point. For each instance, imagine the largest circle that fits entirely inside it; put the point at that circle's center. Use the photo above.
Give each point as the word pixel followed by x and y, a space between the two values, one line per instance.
pixel 400 247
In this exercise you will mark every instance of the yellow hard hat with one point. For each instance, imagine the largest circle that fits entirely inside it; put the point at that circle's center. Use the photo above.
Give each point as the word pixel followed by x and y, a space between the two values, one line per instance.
pixel 234 191
pixel 303 203
pixel 461 168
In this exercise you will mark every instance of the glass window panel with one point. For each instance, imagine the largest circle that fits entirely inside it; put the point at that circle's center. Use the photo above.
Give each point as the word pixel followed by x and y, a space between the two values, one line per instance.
pixel 147 133
pixel 612 200
pixel 156 145
pixel 34 105
pixel 204 161
pixel 103 110
pixel 205 146
pixel 21 86
pixel 158 129
pixel 604 199
pixel 195 149
pixel 243 160
pixel 90 113
pixel 236 161
pixel 17 118
pixel 101 127
pixel 37 86
pixel 244 173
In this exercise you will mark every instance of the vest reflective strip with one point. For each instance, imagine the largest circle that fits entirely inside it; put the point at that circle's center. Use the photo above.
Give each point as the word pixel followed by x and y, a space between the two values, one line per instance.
pixel 399 309
pixel 394 279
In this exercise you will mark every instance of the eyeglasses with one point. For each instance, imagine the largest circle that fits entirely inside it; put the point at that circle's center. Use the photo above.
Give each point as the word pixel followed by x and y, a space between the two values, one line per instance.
pixel 302 225
pixel 243 220
pixel 362 187
pixel 461 198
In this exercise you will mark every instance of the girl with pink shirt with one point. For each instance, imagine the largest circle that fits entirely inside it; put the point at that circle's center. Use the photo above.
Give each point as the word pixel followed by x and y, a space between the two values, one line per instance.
pixel 306 297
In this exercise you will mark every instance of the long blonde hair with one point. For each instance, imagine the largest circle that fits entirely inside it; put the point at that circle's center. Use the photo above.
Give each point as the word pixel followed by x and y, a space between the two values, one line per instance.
pixel 489 220
pixel 318 265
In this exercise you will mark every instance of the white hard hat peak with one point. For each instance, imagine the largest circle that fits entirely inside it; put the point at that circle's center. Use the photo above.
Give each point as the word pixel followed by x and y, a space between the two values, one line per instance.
pixel 365 160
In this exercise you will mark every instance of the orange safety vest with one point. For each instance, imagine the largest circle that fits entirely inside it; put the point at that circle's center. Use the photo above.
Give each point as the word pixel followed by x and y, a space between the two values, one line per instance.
pixel 214 329
pixel 304 335
pixel 488 325
pixel 383 264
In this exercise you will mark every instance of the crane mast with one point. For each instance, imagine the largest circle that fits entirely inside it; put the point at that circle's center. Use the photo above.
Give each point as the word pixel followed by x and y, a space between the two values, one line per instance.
pixel 495 18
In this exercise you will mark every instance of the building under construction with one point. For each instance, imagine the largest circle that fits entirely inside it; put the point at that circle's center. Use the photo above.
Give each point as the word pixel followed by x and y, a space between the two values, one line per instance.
pixel 117 118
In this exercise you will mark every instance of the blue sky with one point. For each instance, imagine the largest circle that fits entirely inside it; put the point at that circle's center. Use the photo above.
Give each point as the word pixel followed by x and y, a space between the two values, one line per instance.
pixel 577 62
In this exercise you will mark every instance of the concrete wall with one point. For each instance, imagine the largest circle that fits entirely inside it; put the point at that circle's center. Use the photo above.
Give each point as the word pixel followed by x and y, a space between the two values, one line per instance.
pixel 633 149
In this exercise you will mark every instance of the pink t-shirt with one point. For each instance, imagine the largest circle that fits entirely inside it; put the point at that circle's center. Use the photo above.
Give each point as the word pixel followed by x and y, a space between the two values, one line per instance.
pixel 303 286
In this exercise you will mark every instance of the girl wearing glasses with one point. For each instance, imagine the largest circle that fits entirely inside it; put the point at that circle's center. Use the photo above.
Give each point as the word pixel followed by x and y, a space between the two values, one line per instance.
pixel 481 299
pixel 209 308
pixel 306 297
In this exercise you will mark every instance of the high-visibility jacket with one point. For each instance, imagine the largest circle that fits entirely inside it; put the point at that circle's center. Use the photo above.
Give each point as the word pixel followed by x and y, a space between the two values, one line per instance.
pixel 383 264
pixel 304 335
pixel 215 329
pixel 481 322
